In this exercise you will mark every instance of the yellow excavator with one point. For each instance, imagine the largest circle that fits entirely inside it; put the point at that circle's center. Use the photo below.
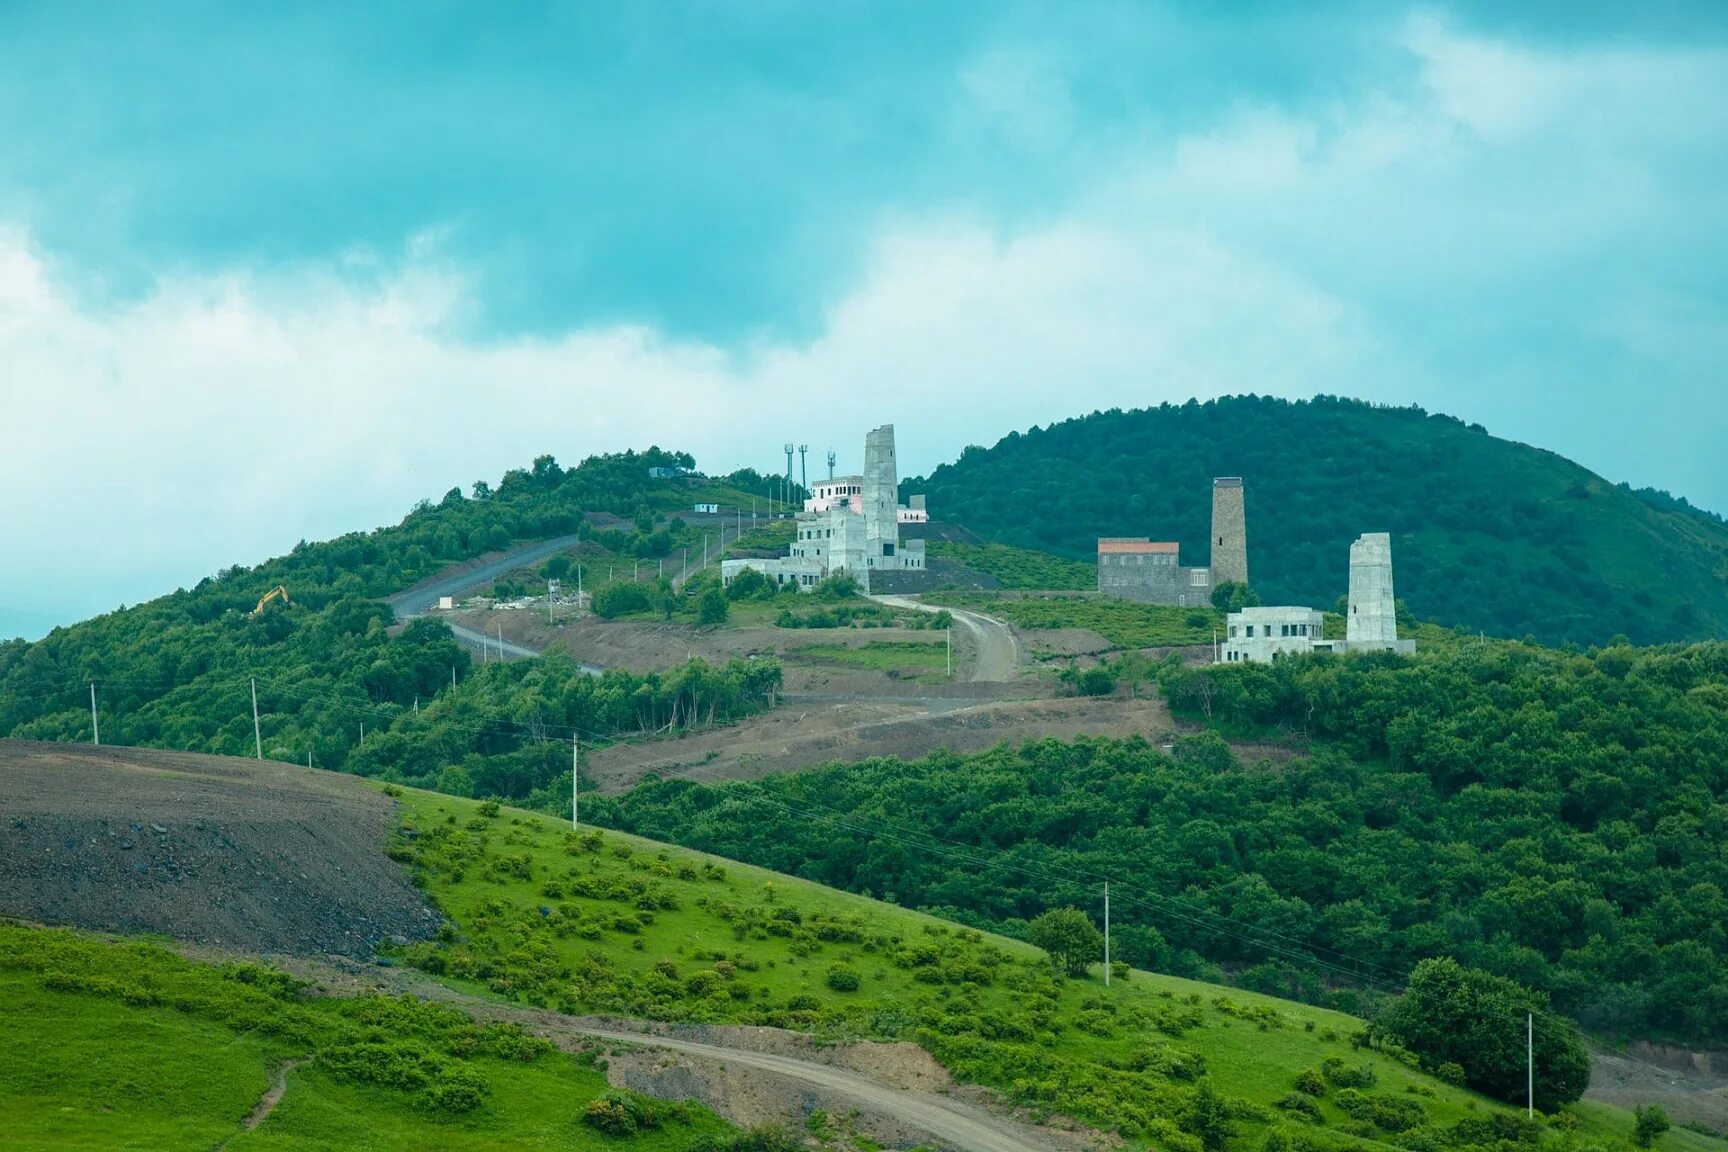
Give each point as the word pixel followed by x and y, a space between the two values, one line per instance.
pixel 280 592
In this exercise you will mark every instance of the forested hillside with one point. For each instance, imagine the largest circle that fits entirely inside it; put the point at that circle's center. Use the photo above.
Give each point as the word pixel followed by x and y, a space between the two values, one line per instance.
pixel 178 671
pixel 1558 819
pixel 1487 533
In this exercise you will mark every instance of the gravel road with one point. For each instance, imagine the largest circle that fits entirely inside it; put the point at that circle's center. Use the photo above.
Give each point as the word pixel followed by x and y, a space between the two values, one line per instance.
pixel 997 658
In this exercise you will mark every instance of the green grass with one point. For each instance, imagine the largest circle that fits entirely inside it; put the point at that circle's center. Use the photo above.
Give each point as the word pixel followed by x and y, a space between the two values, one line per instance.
pixel 1020 568
pixel 903 659
pixel 773 536
pixel 608 922
pixel 126 1045
pixel 1123 623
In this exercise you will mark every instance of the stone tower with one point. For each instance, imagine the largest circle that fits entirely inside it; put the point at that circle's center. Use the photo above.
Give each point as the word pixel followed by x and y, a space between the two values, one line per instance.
pixel 881 489
pixel 1373 612
pixel 1229 531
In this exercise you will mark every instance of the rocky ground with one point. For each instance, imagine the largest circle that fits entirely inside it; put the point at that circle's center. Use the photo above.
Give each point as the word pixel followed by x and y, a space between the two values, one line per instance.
pixel 245 854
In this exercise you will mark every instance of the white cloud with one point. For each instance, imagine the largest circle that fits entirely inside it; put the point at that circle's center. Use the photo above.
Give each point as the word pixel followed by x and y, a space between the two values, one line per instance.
pixel 221 417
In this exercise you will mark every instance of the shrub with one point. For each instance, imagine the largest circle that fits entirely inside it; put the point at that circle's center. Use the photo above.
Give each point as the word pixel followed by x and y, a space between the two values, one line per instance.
pixel 842 979
pixel 1310 1082
pixel 1300 1105
pixel 459 1089
pixel 621 1114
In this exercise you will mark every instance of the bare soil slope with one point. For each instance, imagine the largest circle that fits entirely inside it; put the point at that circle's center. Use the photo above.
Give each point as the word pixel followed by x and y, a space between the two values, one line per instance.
pixel 806 734
pixel 255 855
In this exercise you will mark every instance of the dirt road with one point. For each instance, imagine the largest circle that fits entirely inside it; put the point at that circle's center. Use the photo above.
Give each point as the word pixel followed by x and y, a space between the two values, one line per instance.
pixel 995 652
pixel 949 1122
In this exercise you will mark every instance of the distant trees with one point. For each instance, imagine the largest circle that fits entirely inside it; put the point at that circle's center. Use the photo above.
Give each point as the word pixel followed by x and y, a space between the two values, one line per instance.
pixel 1068 936
pixel 1450 1014
pixel 712 608
pixel 1230 596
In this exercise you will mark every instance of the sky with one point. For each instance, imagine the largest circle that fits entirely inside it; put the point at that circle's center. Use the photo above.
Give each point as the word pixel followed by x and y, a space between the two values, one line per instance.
pixel 275 272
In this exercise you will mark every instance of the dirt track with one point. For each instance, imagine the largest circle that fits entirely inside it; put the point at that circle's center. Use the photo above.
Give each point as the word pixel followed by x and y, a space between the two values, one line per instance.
pixel 247 854
pixel 803 734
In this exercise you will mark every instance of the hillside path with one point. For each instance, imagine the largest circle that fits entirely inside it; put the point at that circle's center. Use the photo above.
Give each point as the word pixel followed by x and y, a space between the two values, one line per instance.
pixel 950 1122
pixel 997 653
pixel 267 1102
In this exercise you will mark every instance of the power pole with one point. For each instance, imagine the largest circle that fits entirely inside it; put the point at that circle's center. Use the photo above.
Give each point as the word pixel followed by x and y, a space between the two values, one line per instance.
pixel 257 736
pixel 830 463
pixel 452 677
pixel 1106 933
pixel 950 633
pixel 362 733
pixel 500 641
pixel 95 728
pixel 803 467
pixel 575 785
pixel 1530 1065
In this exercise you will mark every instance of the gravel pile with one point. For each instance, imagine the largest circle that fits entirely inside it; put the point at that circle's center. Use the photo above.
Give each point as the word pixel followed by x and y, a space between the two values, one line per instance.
pixel 262 857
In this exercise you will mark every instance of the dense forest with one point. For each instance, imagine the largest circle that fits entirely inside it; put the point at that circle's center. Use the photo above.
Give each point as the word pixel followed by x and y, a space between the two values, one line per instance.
pixel 1487 533
pixel 178 671
pixel 1559 819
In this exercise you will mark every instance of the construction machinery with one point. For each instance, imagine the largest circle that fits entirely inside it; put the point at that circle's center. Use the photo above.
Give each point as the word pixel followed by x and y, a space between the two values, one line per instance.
pixel 280 592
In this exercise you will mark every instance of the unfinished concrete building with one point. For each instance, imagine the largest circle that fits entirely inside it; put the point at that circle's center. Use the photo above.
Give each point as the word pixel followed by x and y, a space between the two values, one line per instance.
pixel 1136 568
pixel 1151 571
pixel 854 531
pixel 1262 635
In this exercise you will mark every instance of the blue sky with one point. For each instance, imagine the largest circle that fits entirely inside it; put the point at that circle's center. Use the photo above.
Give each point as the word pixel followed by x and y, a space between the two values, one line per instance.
pixel 267 275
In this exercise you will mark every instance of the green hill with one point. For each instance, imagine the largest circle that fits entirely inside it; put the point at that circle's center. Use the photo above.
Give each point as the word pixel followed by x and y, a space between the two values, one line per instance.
pixel 1556 818
pixel 1487 533
pixel 113 1044
pixel 602 921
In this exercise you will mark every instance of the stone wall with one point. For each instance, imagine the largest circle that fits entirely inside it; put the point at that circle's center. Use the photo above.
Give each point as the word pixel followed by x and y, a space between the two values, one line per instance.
pixel 1229 531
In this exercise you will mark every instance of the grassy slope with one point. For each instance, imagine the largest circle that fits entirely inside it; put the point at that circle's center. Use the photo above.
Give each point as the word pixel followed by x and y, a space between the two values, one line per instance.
pixel 93 1070
pixel 705 955
pixel 1124 623
pixel 1019 567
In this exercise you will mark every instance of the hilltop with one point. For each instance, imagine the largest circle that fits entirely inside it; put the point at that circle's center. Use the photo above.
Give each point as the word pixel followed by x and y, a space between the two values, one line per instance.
pixel 1487 533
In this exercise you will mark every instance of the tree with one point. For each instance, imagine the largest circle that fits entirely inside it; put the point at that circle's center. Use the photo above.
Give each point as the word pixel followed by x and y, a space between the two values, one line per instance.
pixel 1069 937
pixel 748 584
pixel 1450 1013
pixel 1229 596
pixel 1650 1122
pixel 712 608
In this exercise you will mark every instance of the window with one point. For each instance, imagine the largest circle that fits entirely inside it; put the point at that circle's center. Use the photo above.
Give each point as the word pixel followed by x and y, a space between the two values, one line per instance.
pixel 1197 578
pixel 1232 631
pixel 1250 631
pixel 887 549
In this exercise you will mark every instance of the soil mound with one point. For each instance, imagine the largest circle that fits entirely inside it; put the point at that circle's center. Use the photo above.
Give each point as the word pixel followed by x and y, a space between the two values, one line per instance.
pixel 257 856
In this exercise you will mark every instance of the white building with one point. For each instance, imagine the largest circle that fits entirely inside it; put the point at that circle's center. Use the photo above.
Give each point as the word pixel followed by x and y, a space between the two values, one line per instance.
pixel 1371 621
pixel 851 524
pixel 1262 635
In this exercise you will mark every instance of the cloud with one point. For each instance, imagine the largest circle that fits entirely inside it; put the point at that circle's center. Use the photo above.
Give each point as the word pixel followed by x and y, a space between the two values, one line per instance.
pixel 1494 229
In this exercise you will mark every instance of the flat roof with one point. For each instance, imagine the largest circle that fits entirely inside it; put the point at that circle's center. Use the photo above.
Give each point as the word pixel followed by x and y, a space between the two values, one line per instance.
pixel 1110 545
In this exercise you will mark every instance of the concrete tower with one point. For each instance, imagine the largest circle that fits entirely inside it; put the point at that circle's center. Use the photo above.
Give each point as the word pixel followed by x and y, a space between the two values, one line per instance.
pixel 1229 531
pixel 881 488
pixel 1373 615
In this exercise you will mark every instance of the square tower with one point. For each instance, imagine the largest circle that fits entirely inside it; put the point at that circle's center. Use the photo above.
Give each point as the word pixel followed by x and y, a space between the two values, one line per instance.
pixel 1373 615
pixel 1229 531
pixel 881 489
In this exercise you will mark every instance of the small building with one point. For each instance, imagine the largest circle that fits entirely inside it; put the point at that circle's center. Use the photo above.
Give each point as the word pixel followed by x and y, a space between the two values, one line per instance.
pixel 1138 568
pixel 1262 635
pixel 710 509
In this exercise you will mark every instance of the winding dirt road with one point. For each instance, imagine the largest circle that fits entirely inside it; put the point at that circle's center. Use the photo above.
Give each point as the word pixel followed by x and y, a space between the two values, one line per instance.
pixel 996 653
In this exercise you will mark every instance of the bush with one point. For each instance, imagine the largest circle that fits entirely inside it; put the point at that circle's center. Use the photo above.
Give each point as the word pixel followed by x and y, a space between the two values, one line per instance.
pixel 842 979
pixel 1301 1105
pixel 621 1114
pixel 1310 1082
pixel 458 1090
pixel 1068 937
pixel 1649 1123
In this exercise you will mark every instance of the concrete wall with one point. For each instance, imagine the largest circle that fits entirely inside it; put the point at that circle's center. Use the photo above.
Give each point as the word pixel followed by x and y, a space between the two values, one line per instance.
pixel 881 487
pixel 1229 531
pixel 1152 578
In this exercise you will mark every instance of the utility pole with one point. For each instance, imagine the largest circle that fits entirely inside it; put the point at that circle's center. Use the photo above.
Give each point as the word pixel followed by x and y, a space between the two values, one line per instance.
pixel 95 729
pixel 308 757
pixel 575 785
pixel 950 633
pixel 257 733
pixel 660 568
pixel 551 587
pixel 685 570
pixel 500 641
pixel 803 467
pixel 705 547
pixel 362 733
pixel 1106 933
pixel 1530 1065
pixel 452 677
